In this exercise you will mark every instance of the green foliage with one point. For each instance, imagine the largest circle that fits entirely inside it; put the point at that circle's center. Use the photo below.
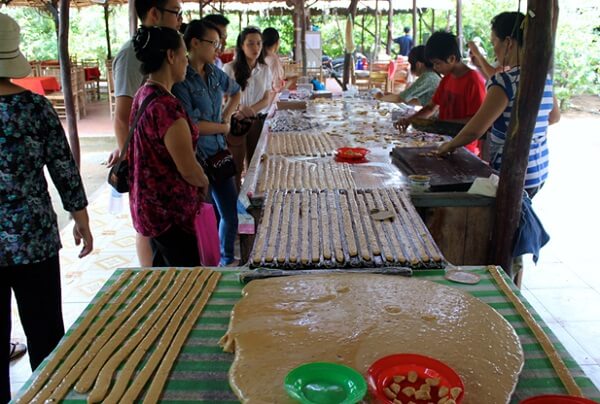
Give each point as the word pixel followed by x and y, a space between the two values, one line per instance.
pixel 577 53
pixel 87 38
pixel 285 26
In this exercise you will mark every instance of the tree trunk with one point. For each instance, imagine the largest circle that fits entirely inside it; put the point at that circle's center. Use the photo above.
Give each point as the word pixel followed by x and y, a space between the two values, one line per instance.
pixel 52 8
pixel 362 35
pixel 65 76
pixel 414 20
pixel 132 19
pixel 432 20
pixel 459 26
pixel 348 55
pixel 390 39
pixel 536 56
pixel 109 52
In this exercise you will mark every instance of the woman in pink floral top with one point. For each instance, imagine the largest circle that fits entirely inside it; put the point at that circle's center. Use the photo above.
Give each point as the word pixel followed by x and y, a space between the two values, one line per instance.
pixel 167 183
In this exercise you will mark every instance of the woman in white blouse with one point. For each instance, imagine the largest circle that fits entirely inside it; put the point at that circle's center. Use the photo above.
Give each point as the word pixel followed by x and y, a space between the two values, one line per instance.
pixel 249 70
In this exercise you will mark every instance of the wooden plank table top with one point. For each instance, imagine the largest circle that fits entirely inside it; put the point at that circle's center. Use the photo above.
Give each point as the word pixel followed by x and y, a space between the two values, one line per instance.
pixel 200 371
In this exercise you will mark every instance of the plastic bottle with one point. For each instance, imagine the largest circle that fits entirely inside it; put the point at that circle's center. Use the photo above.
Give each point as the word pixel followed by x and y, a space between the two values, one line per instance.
pixel 115 203
pixel 359 64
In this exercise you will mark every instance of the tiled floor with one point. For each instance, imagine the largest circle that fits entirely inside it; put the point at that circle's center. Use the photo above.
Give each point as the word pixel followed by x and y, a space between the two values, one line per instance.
pixel 564 287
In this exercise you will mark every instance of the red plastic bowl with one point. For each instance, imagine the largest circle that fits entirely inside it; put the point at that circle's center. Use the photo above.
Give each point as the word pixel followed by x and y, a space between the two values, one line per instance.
pixel 383 370
pixel 351 154
pixel 556 399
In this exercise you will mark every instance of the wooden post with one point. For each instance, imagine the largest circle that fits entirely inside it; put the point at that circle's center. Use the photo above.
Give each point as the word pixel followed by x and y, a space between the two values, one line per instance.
pixel 109 52
pixel 459 26
pixel 362 34
pixel 132 18
pixel 536 56
pixel 348 55
pixel 414 20
pixel 390 33
pixel 377 35
pixel 65 77
pixel 303 37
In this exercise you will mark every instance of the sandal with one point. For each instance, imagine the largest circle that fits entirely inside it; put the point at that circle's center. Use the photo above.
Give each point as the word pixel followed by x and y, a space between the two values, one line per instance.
pixel 17 350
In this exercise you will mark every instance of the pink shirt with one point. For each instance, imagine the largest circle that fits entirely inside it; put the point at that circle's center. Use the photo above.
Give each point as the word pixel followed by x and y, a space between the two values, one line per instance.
pixel 159 196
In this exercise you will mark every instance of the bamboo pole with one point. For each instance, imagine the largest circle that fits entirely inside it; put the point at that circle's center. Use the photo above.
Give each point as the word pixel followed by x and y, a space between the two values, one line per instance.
pixel 536 56
pixel 65 77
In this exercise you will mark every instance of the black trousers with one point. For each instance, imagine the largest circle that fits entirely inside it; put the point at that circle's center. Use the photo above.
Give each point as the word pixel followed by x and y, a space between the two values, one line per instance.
pixel 37 291
pixel 175 248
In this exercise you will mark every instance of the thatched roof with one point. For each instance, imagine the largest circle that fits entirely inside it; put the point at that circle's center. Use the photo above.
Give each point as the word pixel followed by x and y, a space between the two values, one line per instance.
pixel 45 3
pixel 255 5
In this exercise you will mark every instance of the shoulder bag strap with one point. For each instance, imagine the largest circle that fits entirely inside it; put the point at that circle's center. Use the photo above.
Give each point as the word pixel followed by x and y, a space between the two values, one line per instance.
pixel 141 109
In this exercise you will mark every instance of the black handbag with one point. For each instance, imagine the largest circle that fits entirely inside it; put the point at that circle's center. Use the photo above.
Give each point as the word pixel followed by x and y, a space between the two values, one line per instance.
pixel 219 167
pixel 240 127
pixel 118 176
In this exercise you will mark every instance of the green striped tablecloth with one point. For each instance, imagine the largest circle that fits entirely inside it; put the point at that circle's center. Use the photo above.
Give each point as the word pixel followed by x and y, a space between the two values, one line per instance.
pixel 200 373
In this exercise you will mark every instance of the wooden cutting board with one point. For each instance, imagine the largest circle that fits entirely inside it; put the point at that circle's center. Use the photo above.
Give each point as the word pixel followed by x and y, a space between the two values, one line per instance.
pixel 455 172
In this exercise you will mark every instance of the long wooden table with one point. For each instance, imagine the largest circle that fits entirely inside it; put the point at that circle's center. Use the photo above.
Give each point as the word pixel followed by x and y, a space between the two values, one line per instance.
pixel 469 217
pixel 200 371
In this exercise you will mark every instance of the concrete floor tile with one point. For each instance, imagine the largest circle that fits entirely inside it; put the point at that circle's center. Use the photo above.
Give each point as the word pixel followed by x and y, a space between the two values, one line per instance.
pixel 15 387
pixel 593 372
pixel 20 369
pixel 581 304
pixel 538 306
pixel 551 275
pixel 587 334
pixel 574 348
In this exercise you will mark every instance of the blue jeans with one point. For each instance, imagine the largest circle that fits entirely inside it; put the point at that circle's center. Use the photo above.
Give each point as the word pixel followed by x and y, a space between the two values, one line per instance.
pixel 224 196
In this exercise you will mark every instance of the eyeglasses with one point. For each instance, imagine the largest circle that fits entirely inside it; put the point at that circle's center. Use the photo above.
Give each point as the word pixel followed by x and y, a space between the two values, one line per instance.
pixel 215 44
pixel 178 13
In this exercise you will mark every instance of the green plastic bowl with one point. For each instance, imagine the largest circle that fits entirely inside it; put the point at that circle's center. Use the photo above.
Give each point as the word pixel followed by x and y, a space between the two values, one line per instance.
pixel 325 383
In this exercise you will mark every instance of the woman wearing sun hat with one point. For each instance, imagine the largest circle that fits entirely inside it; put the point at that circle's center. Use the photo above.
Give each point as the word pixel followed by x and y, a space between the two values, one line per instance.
pixel 31 137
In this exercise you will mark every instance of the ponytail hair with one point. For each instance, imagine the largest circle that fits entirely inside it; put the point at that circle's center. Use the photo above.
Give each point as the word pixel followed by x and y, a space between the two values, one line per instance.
pixel 151 45
pixel 509 25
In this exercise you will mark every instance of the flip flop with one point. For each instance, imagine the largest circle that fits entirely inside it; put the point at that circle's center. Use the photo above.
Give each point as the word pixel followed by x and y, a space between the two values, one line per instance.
pixel 17 350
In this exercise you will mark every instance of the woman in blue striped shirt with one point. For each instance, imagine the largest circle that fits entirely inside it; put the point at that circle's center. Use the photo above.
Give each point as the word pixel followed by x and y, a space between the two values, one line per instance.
pixel 495 112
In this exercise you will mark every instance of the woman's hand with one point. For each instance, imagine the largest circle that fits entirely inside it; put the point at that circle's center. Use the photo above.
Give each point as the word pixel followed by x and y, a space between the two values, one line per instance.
pixel 81 231
pixel 445 148
pixel 113 158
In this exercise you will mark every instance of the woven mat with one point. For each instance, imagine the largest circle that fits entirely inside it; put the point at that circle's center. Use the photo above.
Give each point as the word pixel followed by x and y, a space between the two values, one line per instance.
pixel 200 373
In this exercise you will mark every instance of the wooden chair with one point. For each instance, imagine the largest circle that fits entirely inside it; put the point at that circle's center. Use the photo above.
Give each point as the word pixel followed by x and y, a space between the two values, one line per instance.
pixel 291 69
pixel 78 87
pixel 111 88
pixel 35 68
pixel 92 84
pixel 379 75
pixel 400 75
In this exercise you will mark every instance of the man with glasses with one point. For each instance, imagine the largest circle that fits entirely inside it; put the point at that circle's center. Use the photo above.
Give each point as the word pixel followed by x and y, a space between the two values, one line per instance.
pixel 221 22
pixel 128 79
